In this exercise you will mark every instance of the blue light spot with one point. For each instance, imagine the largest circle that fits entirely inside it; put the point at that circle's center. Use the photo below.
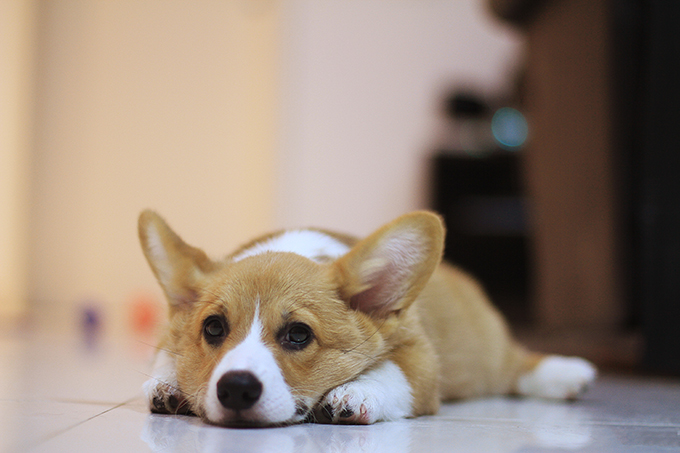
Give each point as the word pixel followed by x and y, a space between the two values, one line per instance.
pixel 509 128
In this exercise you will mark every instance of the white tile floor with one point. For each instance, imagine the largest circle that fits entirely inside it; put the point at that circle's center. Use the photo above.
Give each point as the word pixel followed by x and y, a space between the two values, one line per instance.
pixel 57 395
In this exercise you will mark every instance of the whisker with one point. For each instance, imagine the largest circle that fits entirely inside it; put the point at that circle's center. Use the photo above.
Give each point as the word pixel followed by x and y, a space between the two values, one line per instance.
pixel 353 351
pixel 367 338
pixel 159 348
pixel 163 382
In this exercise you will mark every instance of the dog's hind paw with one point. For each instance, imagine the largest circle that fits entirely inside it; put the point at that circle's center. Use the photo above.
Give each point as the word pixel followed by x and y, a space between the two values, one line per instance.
pixel 557 377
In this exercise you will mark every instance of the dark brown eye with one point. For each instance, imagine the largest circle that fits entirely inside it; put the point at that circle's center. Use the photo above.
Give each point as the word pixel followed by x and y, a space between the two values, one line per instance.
pixel 215 329
pixel 296 336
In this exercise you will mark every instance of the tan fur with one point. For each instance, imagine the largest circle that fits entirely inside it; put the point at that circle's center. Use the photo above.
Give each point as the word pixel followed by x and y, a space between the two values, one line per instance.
pixel 476 352
pixel 434 321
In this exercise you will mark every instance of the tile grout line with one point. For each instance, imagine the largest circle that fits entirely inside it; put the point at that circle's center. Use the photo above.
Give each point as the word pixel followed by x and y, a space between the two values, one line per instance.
pixel 58 433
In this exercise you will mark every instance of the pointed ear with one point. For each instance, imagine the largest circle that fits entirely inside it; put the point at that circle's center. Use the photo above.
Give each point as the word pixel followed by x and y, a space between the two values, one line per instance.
pixel 385 272
pixel 177 266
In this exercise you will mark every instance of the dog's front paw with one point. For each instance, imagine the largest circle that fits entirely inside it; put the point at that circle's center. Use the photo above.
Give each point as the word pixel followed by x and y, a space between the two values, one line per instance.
pixel 382 393
pixel 165 398
pixel 348 403
pixel 162 390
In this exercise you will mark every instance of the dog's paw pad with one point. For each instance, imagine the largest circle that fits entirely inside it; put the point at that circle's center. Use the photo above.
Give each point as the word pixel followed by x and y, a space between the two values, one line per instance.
pixel 558 377
pixel 348 404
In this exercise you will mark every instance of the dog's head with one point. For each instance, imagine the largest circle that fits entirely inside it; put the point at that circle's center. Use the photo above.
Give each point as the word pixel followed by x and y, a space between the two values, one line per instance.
pixel 261 338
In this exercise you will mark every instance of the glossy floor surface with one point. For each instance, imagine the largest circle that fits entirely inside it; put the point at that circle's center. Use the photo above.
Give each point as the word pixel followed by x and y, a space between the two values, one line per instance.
pixel 59 393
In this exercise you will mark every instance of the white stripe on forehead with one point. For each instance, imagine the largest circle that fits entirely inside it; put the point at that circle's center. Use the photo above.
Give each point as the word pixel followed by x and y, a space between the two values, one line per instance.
pixel 311 244
pixel 252 342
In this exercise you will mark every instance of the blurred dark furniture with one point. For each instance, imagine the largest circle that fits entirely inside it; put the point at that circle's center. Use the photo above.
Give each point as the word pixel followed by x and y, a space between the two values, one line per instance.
pixel 647 103
pixel 483 204
pixel 602 173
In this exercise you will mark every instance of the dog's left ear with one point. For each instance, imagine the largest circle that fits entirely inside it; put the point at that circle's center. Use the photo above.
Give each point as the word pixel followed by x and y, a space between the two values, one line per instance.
pixel 385 272
pixel 178 266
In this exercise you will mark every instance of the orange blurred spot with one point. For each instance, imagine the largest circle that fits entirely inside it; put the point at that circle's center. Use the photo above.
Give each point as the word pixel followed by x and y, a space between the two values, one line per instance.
pixel 144 314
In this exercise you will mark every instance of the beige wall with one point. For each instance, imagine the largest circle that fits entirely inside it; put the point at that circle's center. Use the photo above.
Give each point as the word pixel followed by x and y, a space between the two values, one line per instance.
pixel 231 118
pixel 17 44
pixel 169 105
pixel 362 84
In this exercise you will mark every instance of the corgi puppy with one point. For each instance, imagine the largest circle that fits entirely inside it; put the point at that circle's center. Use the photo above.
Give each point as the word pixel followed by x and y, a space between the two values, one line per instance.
pixel 310 325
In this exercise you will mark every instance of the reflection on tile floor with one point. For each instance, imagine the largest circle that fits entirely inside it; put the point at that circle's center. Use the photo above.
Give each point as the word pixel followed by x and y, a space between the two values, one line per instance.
pixel 59 395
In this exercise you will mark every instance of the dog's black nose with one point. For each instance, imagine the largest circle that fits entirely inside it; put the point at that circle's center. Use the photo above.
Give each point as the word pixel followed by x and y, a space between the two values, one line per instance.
pixel 238 390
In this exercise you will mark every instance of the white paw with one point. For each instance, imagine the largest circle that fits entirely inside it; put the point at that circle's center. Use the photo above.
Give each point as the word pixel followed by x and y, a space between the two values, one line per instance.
pixel 349 403
pixel 558 377
pixel 165 397
pixel 380 394
pixel 162 390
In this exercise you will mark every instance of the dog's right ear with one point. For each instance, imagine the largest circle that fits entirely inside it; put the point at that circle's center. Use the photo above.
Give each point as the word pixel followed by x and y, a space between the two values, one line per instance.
pixel 385 272
pixel 177 266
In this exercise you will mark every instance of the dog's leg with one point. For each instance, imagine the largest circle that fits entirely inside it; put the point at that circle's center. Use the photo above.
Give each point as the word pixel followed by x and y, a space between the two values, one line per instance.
pixel 162 390
pixel 382 393
pixel 554 376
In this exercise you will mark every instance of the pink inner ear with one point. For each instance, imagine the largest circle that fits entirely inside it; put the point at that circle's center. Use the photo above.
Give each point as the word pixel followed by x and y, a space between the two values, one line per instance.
pixel 392 266
pixel 382 294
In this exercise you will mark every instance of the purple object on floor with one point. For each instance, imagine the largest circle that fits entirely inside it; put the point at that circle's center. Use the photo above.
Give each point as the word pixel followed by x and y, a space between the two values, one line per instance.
pixel 91 324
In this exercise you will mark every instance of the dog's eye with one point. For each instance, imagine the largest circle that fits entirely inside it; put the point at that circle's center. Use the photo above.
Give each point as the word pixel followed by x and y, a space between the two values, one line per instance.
pixel 296 336
pixel 215 329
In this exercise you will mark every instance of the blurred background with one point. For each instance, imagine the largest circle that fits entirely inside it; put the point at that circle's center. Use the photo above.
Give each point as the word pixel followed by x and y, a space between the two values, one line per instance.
pixel 543 131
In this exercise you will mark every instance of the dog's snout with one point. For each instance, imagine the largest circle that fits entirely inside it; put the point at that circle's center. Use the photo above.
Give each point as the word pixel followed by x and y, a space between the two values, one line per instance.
pixel 238 390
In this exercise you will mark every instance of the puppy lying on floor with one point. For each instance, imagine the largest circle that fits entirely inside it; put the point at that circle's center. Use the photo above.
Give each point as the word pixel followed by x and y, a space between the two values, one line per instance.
pixel 309 325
